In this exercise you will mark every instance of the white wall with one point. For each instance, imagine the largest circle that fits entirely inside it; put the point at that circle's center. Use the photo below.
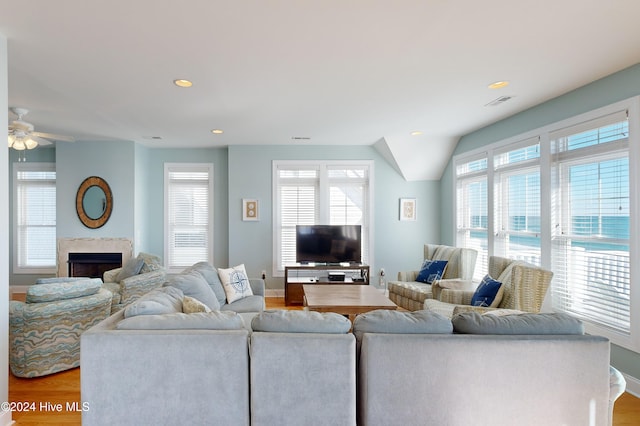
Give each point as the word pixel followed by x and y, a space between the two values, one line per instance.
pixel 5 417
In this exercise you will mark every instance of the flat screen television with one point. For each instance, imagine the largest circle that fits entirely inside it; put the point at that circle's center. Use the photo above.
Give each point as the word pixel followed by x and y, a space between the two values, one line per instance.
pixel 328 243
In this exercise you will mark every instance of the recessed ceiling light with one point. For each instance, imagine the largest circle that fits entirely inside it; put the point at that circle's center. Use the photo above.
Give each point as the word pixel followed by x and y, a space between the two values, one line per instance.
pixel 416 133
pixel 217 131
pixel 182 83
pixel 498 84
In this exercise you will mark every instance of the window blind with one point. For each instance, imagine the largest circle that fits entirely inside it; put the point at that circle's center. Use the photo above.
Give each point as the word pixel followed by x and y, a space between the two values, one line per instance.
pixel 590 240
pixel 35 216
pixel 189 215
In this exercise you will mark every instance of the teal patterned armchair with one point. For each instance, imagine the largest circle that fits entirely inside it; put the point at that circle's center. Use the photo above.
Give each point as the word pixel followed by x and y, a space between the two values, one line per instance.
pixel 44 331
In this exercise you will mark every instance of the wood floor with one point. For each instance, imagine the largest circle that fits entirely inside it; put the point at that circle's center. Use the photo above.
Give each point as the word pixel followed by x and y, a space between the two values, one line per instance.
pixel 62 390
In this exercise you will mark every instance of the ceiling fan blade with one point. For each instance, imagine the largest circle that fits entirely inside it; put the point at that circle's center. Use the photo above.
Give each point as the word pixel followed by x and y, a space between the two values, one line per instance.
pixel 54 137
pixel 40 140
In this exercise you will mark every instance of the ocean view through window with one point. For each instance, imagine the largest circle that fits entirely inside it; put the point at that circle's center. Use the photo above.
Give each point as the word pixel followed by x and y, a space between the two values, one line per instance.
pixel 560 197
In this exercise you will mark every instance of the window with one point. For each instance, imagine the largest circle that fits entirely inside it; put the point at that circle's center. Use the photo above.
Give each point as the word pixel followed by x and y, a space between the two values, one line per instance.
pixel 312 193
pixel 561 197
pixel 188 215
pixel 35 215
pixel 590 242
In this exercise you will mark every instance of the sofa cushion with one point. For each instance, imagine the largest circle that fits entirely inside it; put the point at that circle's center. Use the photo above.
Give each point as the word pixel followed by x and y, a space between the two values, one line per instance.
pixel 547 323
pixel 151 262
pixel 210 275
pixel 247 304
pixel 194 285
pixel 399 322
pixel 215 320
pixel 235 282
pixel 431 270
pixel 193 306
pixel 165 300
pixel 63 290
pixel 131 268
pixel 489 293
pixel 283 321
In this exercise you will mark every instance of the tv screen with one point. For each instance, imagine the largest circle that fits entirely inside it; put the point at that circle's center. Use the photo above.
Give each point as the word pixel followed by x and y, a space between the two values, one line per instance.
pixel 328 243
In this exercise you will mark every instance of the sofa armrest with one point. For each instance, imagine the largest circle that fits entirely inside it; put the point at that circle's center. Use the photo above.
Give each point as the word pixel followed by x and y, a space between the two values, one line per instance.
pixel 111 276
pixel 257 286
pixel 408 275
pixel 137 285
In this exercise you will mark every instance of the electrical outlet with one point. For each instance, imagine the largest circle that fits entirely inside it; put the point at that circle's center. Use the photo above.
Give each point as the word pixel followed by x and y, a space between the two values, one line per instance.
pixel 264 274
pixel 382 273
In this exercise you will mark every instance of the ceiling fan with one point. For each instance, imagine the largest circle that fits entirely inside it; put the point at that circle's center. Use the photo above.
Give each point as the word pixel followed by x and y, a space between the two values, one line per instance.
pixel 22 135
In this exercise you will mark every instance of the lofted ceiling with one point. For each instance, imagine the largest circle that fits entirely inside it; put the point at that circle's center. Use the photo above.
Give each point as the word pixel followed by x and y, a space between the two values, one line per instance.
pixel 312 72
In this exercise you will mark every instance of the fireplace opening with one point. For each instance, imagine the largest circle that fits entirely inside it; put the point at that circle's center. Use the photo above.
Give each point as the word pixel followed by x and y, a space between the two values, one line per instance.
pixel 93 265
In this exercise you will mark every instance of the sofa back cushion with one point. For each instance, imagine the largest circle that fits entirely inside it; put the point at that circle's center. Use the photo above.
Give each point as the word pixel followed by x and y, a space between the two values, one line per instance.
pixel 548 323
pixel 282 321
pixel 165 300
pixel 193 284
pixel 216 320
pixel 210 274
pixel 63 290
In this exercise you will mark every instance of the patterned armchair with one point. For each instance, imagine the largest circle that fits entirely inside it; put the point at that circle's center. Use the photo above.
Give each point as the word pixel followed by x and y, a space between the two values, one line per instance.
pixel 410 294
pixel 44 331
pixel 525 287
pixel 139 276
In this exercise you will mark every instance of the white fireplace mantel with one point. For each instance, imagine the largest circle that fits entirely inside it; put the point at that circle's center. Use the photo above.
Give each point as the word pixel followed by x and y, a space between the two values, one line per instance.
pixel 91 245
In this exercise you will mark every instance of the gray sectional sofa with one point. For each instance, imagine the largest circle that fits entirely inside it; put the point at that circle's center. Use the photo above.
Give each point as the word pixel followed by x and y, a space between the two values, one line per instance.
pixel 299 367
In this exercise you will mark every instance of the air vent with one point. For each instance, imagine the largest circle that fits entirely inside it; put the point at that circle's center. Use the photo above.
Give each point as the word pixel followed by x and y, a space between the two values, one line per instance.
pixel 499 101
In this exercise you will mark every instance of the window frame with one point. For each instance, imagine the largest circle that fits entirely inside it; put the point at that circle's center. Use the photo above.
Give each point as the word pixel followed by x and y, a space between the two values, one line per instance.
pixel 322 199
pixel 549 189
pixel 17 268
pixel 170 266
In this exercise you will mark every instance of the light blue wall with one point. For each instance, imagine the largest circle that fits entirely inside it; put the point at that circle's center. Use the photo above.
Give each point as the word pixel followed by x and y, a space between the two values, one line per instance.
pixel 608 90
pixel 113 162
pixel 398 246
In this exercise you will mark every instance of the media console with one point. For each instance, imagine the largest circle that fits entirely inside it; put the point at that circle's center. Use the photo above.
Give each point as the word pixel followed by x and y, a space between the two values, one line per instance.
pixel 295 276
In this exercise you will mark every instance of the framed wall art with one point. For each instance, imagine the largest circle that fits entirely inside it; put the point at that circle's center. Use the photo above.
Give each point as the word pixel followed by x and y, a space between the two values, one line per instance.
pixel 408 209
pixel 250 209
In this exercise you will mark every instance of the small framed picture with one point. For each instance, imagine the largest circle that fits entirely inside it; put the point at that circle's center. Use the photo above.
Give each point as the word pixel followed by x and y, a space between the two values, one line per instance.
pixel 408 209
pixel 250 209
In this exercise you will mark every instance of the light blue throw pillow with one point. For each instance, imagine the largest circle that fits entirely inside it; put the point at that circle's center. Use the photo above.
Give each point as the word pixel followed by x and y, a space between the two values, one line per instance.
pixel 210 275
pixel 431 270
pixel 165 300
pixel 194 285
pixel 131 268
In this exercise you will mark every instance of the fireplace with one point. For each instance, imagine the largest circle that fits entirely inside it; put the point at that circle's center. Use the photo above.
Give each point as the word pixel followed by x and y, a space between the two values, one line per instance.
pixel 93 265
pixel 95 246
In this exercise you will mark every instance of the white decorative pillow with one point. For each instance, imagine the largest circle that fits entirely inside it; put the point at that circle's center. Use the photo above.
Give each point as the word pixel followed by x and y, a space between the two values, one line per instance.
pixel 192 305
pixel 235 282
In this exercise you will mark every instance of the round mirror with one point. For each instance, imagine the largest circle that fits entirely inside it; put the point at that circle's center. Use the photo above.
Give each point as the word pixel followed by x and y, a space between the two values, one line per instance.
pixel 94 202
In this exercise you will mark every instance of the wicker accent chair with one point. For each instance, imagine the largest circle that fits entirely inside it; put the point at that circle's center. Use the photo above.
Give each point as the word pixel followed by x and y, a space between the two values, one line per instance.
pixel 44 331
pixel 525 287
pixel 410 294
pixel 151 275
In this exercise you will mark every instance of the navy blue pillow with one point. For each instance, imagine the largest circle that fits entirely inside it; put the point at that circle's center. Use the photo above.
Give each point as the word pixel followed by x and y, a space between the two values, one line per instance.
pixel 431 270
pixel 486 292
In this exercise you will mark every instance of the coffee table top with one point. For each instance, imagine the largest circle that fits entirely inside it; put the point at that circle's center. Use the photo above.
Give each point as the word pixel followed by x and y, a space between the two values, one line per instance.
pixel 346 299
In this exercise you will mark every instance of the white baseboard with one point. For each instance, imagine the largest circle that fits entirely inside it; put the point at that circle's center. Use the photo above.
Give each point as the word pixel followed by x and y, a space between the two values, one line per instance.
pixel 17 289
pixel 633 385
pixel 274 292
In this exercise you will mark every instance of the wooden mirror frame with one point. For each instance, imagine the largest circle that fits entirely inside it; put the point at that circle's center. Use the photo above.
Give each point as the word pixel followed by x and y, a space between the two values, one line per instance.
pixel 82 190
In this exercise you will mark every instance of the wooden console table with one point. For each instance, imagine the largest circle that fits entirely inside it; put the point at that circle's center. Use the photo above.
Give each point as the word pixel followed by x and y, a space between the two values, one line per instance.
pixel 295 276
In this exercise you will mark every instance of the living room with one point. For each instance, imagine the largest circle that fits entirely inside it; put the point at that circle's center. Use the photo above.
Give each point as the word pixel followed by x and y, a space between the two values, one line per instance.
pixel 135 174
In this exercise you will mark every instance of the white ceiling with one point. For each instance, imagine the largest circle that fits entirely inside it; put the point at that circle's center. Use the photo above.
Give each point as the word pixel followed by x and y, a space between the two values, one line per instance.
pixel 342 72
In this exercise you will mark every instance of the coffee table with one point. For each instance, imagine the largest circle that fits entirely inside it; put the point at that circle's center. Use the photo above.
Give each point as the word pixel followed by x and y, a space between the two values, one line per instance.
pixel 345 299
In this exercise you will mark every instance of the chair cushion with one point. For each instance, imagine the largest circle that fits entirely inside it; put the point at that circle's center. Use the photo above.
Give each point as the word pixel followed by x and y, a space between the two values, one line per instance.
pixel 431 270
pixel 131 268
pixel 63 290
pixel 235 282
pixel 194 285
pixel 548 323
pixel 210 274
pixel 165 300
pixel 283 321
pixel 489 293
pixel 180 321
